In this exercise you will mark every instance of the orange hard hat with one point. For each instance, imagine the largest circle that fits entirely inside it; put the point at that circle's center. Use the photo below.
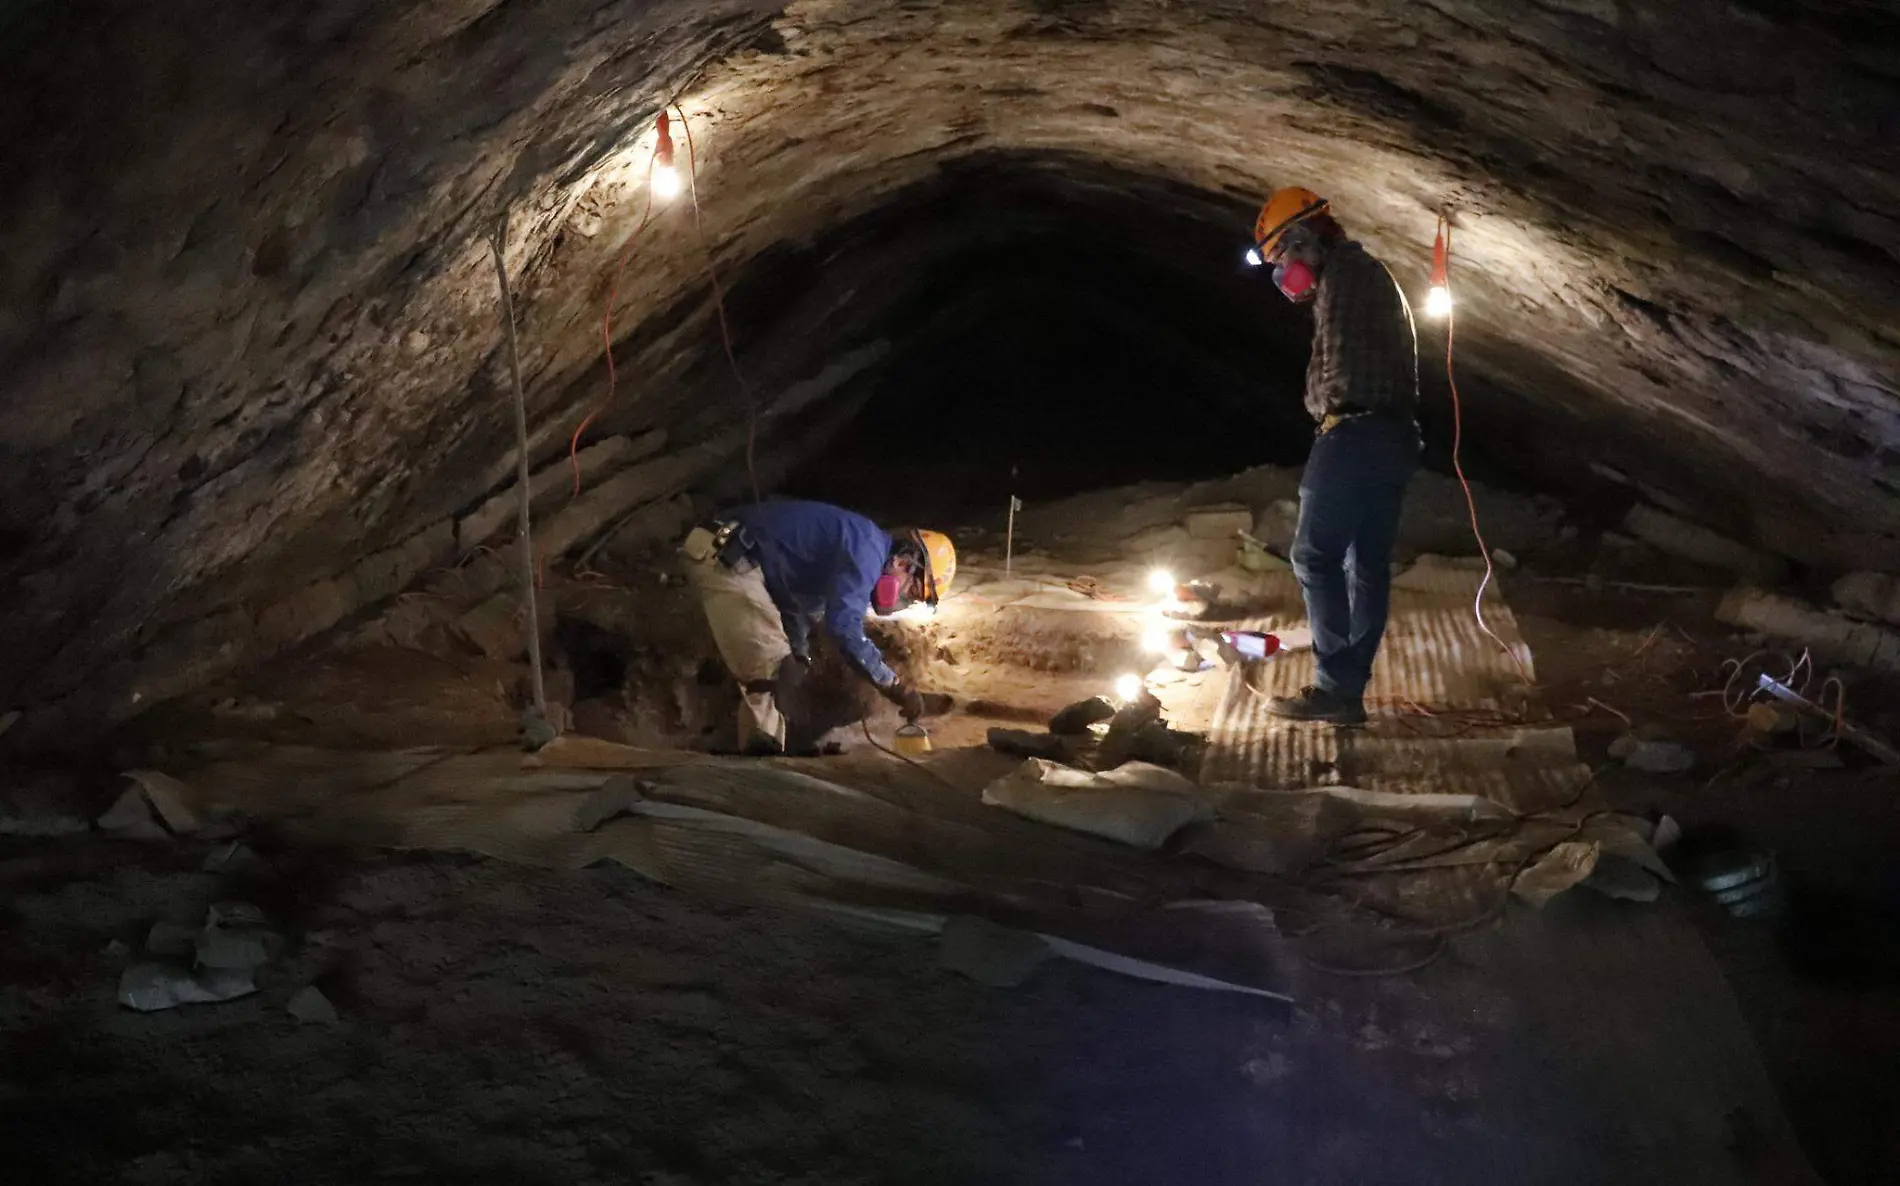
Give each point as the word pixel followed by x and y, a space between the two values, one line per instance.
pixel 943 562
pixel 1286 208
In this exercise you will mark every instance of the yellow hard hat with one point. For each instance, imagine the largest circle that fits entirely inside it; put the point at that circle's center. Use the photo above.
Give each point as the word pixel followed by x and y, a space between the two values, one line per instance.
pixel 943 562
pixel 1286 208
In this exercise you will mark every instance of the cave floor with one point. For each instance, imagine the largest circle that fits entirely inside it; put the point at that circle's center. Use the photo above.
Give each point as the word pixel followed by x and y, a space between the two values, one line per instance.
pixel 515 1024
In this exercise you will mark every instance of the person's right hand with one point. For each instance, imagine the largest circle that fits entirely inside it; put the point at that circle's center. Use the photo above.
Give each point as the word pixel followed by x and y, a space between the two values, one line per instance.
pixel 905 697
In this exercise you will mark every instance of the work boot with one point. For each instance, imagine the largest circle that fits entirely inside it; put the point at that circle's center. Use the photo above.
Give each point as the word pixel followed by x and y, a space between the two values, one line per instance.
pixel 761 725
pixel 1315 703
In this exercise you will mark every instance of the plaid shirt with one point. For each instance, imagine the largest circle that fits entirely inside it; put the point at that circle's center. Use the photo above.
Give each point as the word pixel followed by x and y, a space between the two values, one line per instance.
pixel 1365 351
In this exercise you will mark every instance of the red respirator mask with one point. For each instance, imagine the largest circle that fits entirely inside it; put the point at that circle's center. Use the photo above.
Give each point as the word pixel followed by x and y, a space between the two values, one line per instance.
pixel 887 596
pixel 1295 280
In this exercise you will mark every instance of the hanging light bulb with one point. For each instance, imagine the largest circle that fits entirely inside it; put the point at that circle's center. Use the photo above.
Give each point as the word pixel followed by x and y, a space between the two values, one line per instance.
pixel 1438 300
pixel 666 176
pixel 1128 687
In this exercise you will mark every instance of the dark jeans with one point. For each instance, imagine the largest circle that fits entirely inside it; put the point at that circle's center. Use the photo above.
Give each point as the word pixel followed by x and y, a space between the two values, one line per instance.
pixel 1350 499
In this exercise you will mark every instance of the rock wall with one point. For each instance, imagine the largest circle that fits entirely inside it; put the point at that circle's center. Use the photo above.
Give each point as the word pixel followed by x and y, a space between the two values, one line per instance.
pixel 248 332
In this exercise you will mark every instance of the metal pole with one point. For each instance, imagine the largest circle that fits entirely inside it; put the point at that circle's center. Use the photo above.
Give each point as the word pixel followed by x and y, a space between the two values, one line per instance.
pixel 498 242
pixel 1009 538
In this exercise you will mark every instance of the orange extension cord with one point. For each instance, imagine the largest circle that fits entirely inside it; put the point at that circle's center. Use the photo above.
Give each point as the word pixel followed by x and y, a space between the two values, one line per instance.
pixel 607 334
pixel 719 302
pixel 1457 465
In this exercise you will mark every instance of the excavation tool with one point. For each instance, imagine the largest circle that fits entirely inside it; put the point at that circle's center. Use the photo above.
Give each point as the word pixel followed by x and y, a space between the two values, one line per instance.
pixel 912 741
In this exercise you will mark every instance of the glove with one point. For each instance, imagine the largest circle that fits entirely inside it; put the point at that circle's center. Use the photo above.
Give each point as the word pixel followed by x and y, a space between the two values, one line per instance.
pixel 908 702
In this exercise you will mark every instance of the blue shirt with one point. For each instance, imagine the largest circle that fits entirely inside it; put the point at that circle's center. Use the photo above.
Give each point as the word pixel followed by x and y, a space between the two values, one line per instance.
pixel 820 561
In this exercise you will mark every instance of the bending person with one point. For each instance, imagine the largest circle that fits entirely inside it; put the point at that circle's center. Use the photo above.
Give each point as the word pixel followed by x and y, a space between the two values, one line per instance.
pixel 765 574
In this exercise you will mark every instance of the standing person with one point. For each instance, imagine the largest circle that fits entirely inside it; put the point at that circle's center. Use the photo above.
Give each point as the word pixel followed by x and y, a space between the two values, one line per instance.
pixel 764 573
pixel 1362 390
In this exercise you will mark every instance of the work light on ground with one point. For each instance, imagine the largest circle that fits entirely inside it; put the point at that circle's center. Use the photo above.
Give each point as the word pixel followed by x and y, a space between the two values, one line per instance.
pixel 1155 640
pixel 1160 582
pixel 1127 687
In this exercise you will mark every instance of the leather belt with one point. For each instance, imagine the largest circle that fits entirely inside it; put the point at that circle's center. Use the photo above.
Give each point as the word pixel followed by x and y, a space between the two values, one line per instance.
pixel 1333 420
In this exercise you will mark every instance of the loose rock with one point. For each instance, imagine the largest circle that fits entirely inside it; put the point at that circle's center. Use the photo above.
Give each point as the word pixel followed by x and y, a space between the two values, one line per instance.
pixel 1871 595
pixel 1076 718
pixel 1023 743
pixel 1660 757
pixel 311 1007
pixel 1831 635
pixel 493 629
pixel 1221 522
pixel 131 818
pixel 1692 541
pixel 152 986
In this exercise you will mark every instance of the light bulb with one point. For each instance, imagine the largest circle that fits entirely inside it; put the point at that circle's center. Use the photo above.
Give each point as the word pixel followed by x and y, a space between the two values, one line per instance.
pixel 1160 582
pixel 1127 687
pixel 666 182
pixel 1438 301
pixel 1253 257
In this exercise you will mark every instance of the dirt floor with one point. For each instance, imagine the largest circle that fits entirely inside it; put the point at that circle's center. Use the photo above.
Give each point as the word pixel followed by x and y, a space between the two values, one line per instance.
pixel 499 1023
pixel 507 1025
pixel 1820 988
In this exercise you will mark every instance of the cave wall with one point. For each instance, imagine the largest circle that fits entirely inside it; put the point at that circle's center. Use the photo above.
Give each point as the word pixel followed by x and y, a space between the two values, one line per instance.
pixel 248 332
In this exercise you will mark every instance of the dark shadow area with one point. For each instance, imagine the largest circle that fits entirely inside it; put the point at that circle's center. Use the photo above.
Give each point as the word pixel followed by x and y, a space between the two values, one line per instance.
pixel 1047 370
pixel 1053 326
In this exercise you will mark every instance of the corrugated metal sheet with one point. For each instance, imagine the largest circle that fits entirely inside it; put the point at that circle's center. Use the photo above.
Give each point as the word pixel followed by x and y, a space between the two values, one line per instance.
pixel 1435 660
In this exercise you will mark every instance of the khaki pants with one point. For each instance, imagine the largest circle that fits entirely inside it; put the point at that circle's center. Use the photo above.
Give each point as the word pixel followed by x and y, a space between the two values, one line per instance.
pixel 751 639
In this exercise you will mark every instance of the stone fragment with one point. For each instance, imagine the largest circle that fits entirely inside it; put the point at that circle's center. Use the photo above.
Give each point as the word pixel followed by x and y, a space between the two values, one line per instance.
pixel 493 629
pixel 1276 524
pixel 311 1007
pixel 151 986
pixel 1218 522
pixel 1833 636
pixel 169 798
pixel 1563 866
pixel 243 946
pixel 1025 744
pixel 1874 596
pixel 1692 541
pixel 1659 757
pixel 131 818
pixel 1076 718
